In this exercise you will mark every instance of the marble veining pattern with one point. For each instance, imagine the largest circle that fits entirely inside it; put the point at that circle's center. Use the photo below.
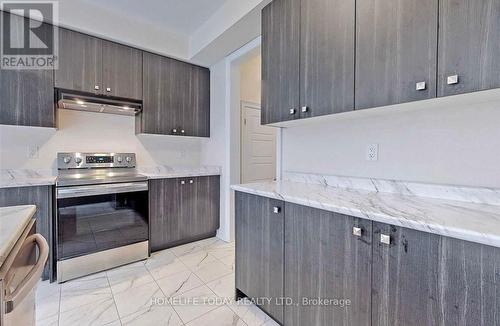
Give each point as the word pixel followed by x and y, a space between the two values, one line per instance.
pixel 137 294
pixel 13 221
pixel 458 193
pixel 10 178
pixel 458 219
pixel 164 171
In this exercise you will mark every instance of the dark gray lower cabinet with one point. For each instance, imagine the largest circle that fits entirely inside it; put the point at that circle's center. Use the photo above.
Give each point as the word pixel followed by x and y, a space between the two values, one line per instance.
pixel 405 277
pixel 260 251
pixel 412 278
pixel 205 208
pixel 324 260
pixel 41 196
pixel 164 213
pixel 426 279
pixel 469 283
pixel 183 210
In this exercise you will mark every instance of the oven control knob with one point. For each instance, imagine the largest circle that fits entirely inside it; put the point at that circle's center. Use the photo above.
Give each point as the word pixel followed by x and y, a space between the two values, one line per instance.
pixel 119 159
pixel 78 160
pixel 67 159
pixel 128 159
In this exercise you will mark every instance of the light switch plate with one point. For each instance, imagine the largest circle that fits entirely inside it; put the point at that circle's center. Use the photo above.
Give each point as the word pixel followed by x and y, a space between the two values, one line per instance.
pixel 372 152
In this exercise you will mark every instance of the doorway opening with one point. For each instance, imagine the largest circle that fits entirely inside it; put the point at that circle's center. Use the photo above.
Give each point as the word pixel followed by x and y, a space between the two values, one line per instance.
pixel 253 151
pixel 258 142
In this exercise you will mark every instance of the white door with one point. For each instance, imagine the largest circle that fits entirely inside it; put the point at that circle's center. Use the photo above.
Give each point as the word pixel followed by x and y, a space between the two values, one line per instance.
pixel 258 147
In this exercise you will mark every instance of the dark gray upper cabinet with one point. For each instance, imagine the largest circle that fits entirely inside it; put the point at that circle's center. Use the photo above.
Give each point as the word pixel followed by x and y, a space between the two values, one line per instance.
pixel 426 279
pixel 280 61
pixel 80 62
pixel 396 51
pixel 92 65
pixel 469 46
pixel 260 250
pixel 182 210
pixel 196 116
pixel 162 112
pixel 176 99
pixel 323 259
pixel 122 71
pixel 327 57
pixel 332 56
pixel 307 58
pixel 26 96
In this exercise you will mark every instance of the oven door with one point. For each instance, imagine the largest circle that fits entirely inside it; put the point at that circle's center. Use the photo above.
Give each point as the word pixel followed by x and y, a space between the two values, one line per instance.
pixel 100 217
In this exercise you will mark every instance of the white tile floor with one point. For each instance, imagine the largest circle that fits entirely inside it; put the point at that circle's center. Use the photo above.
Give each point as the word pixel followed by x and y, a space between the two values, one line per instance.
pixel 201 273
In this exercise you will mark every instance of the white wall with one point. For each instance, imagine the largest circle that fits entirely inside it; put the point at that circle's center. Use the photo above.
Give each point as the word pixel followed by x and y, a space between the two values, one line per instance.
pixel 223 147
pixel 250 79
pixel 96 20
pixel 448 142
pixel 214 151
pixel 86 131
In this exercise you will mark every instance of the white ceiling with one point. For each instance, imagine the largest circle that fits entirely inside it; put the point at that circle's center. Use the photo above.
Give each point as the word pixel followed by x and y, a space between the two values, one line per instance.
pixel 178 16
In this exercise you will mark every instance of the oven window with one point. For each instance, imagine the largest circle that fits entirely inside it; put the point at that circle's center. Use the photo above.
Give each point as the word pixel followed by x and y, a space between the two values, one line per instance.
pixel 95 223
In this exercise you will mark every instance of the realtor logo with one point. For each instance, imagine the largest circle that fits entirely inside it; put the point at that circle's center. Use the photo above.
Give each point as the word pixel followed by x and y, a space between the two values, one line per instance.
pixel 30 42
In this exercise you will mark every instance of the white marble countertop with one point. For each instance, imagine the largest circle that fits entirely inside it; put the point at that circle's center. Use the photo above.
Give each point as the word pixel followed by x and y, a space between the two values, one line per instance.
pixel 164 171
pixel 10 178
pixel 469 221
pixel 13 221
pixel 26 177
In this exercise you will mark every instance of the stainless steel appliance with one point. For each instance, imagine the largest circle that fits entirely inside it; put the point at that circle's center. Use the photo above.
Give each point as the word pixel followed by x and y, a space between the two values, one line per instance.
pixel 19 276
pixel 72 100
pixel 101 213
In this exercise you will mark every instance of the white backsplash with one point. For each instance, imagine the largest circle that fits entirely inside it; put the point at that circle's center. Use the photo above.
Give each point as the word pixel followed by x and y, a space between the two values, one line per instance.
pixel 458 193
pixel 91 132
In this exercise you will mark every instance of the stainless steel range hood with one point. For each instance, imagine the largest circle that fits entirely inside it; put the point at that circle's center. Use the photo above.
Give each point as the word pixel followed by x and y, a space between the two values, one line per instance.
pixel 89 103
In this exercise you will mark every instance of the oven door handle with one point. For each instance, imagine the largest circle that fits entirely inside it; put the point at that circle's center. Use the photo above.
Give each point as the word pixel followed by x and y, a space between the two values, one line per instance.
pixel 102 189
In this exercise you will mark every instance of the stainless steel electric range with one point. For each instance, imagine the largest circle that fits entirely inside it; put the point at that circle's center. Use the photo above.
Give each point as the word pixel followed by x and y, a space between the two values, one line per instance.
pixel 101 213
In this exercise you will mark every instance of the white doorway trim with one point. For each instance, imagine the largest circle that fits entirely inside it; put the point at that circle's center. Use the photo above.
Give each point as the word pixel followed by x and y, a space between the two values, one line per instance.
pixel 233 132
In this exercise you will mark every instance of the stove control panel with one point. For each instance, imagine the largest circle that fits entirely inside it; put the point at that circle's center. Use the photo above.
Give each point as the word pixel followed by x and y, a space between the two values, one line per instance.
pixel 67 161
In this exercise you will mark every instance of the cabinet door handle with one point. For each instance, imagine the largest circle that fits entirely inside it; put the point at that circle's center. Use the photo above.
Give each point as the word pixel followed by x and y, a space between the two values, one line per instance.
pixel 452 80
pixel 174 131
pixel 183 182
pixel 191 181
pixel 182 131
pixel 421 86
pixel 96 87
pixel 292 111
pixel 304 109
pixel 357 231
pixel 108 89
pixel 276 210
pixel 385 239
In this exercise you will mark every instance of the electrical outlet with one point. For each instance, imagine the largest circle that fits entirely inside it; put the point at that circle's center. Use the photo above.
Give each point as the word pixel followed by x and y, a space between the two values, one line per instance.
pixel 372 152
pixel 33 151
